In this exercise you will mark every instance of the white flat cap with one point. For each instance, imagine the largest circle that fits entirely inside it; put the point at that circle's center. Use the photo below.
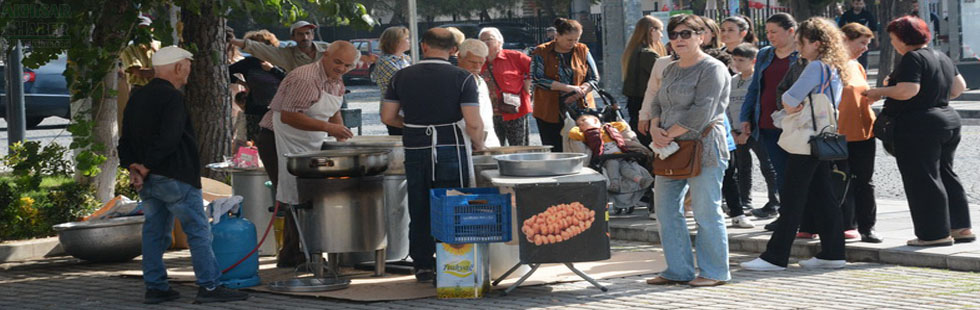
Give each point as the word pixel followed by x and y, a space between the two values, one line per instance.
pixel 300 24
pixel 169 55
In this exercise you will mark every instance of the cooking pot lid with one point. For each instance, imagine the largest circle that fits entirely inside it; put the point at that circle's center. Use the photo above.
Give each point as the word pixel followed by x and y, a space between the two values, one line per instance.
pixel 118 221
pixel 340 153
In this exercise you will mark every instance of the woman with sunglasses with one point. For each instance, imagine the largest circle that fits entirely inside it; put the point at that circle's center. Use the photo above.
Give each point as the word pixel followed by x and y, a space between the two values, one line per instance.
pixel 690 105
pixel 808 184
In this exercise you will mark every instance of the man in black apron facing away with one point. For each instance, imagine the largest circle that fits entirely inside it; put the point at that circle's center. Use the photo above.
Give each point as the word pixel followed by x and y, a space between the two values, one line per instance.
pixel 436 98
pixel 305 109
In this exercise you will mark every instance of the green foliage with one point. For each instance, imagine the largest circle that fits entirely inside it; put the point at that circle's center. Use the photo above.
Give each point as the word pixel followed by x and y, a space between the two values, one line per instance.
pixel 122 184
pixel 30 162
pixel 32 213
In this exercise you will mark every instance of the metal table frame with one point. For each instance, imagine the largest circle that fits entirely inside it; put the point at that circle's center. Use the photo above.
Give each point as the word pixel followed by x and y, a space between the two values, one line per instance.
pixel 534 267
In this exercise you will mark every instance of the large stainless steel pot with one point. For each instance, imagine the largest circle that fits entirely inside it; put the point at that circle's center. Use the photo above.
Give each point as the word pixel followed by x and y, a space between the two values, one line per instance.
pixel 396 209
pixel 338 163
pixel 540 164
pixel 109 240
pixel 250 184
pixel 346 214
pixel 396 160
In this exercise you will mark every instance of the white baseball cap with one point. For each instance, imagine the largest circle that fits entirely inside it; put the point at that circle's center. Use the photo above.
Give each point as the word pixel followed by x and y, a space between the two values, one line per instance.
pixel 170 54
pixel 300 24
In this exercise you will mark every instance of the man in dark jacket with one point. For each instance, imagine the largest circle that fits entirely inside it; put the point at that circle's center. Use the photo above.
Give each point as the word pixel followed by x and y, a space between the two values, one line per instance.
pixel 159 147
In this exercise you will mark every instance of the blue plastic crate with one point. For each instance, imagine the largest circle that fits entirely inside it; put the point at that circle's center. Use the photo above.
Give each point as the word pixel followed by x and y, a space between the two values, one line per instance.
pixel 482 216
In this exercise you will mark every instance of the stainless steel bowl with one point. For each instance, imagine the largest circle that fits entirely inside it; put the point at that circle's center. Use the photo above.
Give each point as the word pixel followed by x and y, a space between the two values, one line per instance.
pixel 540 164
pixel 396 160
pixel 338 163
pixel 110 240
pixel 514 150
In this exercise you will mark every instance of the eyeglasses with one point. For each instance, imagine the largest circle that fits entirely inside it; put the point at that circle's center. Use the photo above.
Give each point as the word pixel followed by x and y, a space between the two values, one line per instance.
pixel 683 34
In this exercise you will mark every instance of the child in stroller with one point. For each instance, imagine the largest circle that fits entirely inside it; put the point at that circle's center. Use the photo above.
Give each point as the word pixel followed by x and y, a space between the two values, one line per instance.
pixel 615 152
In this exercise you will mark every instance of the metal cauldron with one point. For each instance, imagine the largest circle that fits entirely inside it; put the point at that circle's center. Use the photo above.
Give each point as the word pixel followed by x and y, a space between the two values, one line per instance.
pixel 345 214
pixel 338 163
pixel 109 240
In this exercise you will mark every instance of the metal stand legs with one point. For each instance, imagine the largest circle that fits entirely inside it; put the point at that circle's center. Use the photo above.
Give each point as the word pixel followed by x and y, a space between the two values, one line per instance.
pixel 534 267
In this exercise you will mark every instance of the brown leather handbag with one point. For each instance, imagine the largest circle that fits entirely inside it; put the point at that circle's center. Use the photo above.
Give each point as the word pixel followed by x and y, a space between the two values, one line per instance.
pixel 685 162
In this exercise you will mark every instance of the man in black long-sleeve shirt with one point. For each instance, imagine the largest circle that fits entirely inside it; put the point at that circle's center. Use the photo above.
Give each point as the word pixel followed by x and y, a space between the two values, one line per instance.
pixel 159 148
pixel 857 14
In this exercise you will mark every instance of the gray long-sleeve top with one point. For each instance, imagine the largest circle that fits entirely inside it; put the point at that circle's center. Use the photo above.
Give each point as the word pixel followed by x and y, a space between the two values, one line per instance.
pixel 693 98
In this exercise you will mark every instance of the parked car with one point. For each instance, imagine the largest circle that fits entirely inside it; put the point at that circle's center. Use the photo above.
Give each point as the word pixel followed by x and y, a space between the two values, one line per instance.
pixel 45 92
pixel 370 52
pixel 516 35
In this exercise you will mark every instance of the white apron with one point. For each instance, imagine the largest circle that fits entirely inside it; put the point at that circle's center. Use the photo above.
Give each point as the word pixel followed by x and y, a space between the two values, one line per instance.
pixel 290 140
pixel 431 131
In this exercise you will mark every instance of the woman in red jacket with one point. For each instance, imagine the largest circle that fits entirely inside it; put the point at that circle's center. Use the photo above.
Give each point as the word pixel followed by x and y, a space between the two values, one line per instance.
pixel 507 73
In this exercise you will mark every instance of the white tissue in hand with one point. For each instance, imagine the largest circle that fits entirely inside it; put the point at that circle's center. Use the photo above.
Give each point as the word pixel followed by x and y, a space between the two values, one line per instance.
pixel 664 152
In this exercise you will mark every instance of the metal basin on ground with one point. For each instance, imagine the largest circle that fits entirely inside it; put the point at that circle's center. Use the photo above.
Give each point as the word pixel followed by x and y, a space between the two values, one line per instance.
pixel 110 240
pixel 338 163
pixel 540 164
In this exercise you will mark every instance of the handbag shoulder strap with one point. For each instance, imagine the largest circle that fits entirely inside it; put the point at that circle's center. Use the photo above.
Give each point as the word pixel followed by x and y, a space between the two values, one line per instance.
pixel 828 85
pixel 492 78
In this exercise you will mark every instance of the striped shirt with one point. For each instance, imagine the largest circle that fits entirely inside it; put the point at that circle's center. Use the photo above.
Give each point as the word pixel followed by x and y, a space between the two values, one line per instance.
pixel 301 89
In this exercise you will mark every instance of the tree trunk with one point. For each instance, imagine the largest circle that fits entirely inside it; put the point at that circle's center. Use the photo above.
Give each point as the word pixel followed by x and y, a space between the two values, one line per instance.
pixel 801 10
pixel 206 94
pixel 890 9
pixel 106 133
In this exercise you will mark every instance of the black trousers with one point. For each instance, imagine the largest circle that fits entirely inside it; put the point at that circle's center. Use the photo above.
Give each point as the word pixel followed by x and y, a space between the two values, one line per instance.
pixel 935 194
pixel 550 134
pixel 743 162
pixel 730 188
pixel 860 209
pixel 290 254
pixel 807 185
pixel 633 105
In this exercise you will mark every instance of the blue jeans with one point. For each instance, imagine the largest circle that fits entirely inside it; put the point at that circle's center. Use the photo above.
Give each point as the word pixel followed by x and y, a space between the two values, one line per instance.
pixel 419 176
pixel 163 199
pixel 712 238
pixel 777 155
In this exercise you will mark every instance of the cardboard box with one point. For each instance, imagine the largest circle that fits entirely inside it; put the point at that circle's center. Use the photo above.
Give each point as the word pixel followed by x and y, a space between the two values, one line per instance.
pixel 462 270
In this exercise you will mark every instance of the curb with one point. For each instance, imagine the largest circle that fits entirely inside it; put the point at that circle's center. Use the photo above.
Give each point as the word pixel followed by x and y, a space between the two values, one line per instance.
pixel 30 249
pixel 639 228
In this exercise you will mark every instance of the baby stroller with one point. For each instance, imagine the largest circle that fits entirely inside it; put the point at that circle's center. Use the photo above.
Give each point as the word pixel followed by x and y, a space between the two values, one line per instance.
pixel 624 197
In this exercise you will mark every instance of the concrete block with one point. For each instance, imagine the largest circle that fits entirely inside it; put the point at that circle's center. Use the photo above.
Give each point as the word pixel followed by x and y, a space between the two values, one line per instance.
pixel 907 256
pixel 964 261
pixel 30 249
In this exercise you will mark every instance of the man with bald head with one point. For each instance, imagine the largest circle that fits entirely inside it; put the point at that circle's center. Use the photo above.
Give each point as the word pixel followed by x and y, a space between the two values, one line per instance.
pixel 305 109
pixel 436 98
pixel 159 147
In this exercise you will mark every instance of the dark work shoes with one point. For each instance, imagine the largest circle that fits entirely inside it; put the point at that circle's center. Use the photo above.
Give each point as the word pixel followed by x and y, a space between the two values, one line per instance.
pixel 218 294
pixel 153 296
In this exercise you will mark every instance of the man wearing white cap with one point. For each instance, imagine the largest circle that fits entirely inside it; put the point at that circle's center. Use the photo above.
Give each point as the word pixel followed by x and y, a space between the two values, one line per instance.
pixel 304 52
pixel 159 147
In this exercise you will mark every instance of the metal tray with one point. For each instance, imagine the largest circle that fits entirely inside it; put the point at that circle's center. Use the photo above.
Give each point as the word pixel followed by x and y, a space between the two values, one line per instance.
pixel 310 285
pixel 500 150
pixel 540 164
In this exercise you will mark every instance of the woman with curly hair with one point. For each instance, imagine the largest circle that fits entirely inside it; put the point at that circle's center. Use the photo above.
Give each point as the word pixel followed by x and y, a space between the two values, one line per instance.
pixel 807 182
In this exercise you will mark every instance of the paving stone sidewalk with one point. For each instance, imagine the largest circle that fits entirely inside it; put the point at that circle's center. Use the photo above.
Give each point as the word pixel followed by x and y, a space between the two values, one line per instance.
pixel 894 225
pixel 66 283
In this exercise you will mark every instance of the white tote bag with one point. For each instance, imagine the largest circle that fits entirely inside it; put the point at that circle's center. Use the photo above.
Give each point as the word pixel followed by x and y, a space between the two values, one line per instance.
pixel 798 127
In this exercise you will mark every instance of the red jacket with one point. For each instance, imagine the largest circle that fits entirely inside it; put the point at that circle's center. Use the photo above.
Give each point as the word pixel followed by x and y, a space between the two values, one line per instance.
pixel 510 69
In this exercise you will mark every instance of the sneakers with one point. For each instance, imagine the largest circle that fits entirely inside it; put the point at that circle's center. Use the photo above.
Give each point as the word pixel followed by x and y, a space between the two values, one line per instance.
pixel 938 242
pixel 153 296
pixel 851 234
pixel 816 263
pixel 760 264
pixel 218 294
pixel 806 235
pixel 765 213
pixel 425 275
pixel 742 221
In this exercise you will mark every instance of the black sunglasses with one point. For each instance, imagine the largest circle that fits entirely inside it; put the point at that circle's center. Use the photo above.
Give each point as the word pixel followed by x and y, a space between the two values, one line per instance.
pixel 684 34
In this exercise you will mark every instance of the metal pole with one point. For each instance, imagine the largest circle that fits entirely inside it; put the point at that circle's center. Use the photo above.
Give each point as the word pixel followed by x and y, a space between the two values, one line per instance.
pixel 16 120
pixel 413 30
pixel 924 14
